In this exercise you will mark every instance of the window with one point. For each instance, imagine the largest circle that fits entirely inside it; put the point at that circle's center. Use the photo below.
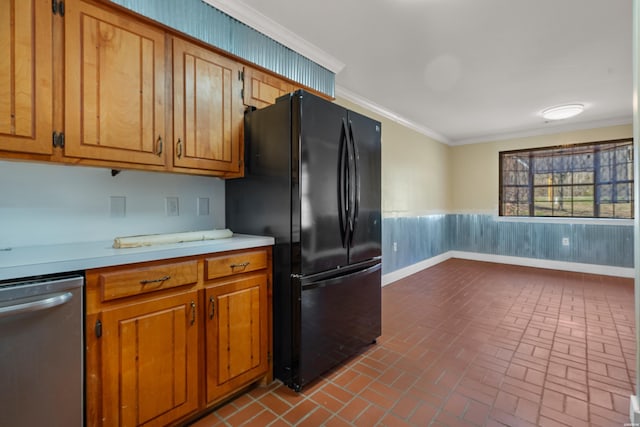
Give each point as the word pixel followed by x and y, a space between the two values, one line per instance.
pixel 593 180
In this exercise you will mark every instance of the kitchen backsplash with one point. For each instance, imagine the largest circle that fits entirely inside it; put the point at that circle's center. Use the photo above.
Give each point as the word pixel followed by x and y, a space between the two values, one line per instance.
pixel 52 204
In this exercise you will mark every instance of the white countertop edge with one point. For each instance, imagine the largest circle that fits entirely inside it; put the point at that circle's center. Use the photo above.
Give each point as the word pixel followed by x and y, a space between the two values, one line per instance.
pixel 30 261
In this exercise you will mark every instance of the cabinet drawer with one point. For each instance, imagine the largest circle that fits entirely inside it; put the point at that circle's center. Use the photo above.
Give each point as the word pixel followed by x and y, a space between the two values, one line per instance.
pixel 135 281
pixel 236 264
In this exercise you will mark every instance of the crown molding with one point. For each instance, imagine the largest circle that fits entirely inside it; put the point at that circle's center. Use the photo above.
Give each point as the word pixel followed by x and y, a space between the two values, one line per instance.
pixel 267 26
pixel 556 128
pixel 378 109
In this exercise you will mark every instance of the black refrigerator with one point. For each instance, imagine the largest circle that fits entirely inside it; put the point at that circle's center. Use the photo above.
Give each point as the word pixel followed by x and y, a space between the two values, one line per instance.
pixel 312 181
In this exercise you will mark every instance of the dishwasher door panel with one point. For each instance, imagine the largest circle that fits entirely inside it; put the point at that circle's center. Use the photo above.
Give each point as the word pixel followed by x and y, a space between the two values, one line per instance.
pixel 41 353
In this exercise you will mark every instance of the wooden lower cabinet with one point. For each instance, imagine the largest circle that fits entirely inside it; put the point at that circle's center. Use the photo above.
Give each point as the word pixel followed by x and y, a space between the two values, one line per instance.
pixel 168 340
pixel 237 348
pixel 150 372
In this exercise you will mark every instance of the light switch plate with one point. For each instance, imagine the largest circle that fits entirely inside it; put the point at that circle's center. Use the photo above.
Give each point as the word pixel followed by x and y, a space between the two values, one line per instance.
pixel 117 206
pixel 171 206
pixel 203 206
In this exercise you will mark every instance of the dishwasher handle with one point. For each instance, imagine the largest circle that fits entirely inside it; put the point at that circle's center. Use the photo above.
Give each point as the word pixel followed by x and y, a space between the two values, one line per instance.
pixel 43 304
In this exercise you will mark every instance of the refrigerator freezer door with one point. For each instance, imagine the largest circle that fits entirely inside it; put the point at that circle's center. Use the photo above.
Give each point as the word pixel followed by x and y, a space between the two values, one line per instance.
pixel 339 316
pixel 366 240
pixel 321 133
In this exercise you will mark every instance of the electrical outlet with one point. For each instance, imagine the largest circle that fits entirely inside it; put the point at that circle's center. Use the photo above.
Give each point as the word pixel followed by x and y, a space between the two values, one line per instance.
pixel 203 206
pixel 565 241
pixel 171 206
pixel 117 206
pixel 395 246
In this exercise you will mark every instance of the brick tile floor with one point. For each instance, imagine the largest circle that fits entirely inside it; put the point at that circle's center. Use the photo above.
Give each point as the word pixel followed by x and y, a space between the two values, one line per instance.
pixel 467 343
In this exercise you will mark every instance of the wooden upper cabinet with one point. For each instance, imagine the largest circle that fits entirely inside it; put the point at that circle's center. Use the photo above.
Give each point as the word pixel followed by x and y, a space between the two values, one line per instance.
pixel 262 89
pixel 26 76
pixel 207 109
pixel 114 86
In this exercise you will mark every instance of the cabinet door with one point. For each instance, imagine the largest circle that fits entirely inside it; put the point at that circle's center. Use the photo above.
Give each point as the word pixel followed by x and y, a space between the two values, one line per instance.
pixel 236 334
pixel 262 89
pixel 150 361
pixel 114 85
pixel 207 109
pixel 26 76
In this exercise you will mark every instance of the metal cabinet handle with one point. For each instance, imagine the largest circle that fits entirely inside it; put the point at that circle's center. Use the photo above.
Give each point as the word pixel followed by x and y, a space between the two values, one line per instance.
pixel 179 148
pixel 42 304
pixel 162 279
pixel 212 302
pixel 242 265
pixel 193 312
pixel 159 152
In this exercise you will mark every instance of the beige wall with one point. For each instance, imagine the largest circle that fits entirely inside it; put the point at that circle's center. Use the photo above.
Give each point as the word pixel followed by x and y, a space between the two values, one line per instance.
pixel 415 169
pixel 474 167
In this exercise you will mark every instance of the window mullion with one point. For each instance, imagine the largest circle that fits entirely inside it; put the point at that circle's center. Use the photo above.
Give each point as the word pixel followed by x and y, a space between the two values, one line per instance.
pixel 596 180
pixel 530 182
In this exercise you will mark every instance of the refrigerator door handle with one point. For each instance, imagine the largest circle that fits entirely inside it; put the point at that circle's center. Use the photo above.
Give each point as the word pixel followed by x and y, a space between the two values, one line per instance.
pixel 355 182
pixel 341 278
pixel 343 183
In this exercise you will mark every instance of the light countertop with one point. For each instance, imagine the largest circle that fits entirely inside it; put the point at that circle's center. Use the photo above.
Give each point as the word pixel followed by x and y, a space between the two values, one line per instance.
pixel 29 261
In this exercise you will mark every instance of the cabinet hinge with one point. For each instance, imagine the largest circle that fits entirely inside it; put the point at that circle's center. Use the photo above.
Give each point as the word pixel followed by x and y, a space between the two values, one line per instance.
pixel 58 139
pixel 268 356
pixel 241 75
pixel 98 328
pixel 242 93
pixel 57 7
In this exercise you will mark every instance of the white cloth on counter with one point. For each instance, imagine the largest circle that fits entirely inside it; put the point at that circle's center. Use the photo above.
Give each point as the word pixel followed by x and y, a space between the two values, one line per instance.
pixel 163 239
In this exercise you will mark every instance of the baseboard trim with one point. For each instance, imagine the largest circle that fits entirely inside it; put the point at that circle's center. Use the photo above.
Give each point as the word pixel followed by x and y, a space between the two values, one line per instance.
pixel 634 411
pixel 413 268
pixel 577 267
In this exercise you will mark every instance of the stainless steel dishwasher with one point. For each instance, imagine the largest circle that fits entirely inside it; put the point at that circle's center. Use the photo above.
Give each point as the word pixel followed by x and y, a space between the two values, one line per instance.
pixel 41 352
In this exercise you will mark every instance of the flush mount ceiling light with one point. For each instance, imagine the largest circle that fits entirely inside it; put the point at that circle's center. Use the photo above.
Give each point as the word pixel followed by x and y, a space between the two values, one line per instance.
pixel 562 111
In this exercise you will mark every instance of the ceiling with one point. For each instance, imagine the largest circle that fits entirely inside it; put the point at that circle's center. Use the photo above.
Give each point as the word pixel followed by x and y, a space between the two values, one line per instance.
pixel 465 71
